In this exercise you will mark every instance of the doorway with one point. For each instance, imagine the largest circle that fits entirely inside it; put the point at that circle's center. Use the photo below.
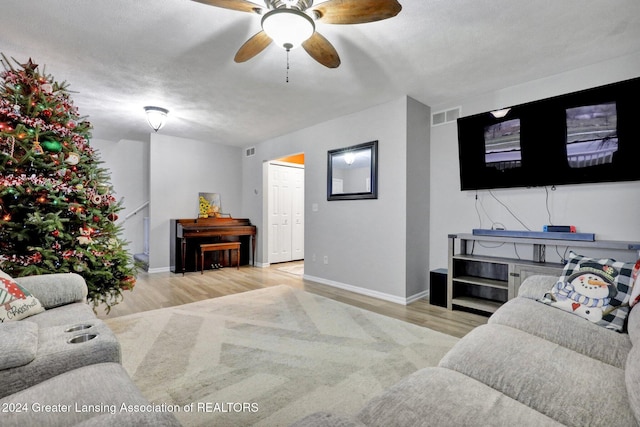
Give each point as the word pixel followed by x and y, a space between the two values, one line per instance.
pixel 285 210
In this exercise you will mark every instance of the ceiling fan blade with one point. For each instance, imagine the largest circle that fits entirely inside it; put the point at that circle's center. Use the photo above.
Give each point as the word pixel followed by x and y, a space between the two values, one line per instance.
pixel 322 51
pixel 241 5
pixel 253 46
pixel 356 11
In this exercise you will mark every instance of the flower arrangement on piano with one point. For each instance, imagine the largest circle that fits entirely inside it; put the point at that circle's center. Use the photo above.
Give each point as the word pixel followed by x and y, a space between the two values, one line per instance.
pixel 209 205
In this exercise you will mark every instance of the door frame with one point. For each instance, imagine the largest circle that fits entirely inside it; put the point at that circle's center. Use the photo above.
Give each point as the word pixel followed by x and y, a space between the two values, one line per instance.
pixel 265 201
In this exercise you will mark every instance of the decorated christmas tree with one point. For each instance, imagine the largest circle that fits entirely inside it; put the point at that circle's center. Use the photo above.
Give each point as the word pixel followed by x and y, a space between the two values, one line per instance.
pixel 57 209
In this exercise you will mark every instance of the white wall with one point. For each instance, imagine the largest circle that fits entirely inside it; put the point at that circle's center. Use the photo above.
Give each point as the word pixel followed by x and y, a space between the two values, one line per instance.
pixel 370 244
pixel 418 189
pixel 128 165
pixel 364 240
pixel 609 210
pixel 179 170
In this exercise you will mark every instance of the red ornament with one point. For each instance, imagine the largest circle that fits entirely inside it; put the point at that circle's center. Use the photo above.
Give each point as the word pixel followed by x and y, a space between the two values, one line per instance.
pixel 47 113
pixel 96 218
pixel 128 283
pixel 55 233
pixel 112 217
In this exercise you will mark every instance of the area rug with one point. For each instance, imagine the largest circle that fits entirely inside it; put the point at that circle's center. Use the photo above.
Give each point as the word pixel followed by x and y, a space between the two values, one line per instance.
pixel 269 357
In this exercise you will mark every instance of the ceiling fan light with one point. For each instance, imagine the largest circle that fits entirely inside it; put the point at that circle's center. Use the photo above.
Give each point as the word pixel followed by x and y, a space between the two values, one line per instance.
pixel 156 117
pixel 288 28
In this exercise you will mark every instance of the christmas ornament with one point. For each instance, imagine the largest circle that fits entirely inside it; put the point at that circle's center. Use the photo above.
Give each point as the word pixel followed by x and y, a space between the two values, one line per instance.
pixel 129 282
pixel 30 66
pixel 52 146
pixel 96 199
pixel 37 149
pixel 72 159
pixel 113 243
pixel 85 235
pixel 112 217
pixel 11 140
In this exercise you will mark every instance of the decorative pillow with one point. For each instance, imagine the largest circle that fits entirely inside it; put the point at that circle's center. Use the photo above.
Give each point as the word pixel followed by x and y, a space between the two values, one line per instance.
pixel 635 291
pixel 5 275
pixel 16 302
pixel 598 290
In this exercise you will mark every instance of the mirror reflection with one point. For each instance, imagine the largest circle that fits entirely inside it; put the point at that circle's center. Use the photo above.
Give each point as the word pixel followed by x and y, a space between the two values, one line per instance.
pixel 352 172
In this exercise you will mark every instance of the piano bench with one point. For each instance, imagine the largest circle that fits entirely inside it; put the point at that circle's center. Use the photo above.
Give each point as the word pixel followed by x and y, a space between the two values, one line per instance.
pixel 224 246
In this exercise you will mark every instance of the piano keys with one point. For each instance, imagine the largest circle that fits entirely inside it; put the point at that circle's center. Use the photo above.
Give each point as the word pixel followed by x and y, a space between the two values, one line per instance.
pixel 186 235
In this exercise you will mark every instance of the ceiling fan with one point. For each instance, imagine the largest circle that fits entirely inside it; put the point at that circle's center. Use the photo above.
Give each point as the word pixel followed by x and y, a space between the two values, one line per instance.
pixel 291 23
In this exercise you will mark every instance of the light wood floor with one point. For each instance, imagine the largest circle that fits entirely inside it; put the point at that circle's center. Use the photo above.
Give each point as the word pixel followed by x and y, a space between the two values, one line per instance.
pixel 160 290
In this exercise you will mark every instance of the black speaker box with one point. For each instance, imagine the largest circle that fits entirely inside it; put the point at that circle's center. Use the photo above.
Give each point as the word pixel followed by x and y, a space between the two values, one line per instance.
pixel 438 287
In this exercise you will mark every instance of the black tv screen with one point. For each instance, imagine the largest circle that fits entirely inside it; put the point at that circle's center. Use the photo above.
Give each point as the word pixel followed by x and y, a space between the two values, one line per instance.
pixel 582 137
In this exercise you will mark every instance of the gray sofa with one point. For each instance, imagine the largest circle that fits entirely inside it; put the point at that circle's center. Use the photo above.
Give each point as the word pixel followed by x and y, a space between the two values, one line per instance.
pixel 61 367
pixel 531 365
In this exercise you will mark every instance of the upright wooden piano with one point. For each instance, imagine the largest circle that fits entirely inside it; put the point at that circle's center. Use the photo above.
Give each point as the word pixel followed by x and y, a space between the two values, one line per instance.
pixel 186 235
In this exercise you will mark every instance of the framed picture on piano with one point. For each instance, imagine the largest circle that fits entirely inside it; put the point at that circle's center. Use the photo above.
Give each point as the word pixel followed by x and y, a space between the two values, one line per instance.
pixel 209 205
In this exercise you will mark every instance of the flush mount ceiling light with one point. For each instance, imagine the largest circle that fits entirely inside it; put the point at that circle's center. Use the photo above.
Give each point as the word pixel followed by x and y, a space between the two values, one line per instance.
pixel 156 117
pixel 498 114
pixel 290 23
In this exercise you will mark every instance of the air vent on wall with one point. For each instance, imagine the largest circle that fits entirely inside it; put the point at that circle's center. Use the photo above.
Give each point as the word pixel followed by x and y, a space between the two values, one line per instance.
pixel 445 116
pixel 250 151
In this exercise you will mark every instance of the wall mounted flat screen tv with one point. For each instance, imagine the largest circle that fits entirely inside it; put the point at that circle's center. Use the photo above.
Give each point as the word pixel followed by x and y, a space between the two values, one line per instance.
pixel 582 137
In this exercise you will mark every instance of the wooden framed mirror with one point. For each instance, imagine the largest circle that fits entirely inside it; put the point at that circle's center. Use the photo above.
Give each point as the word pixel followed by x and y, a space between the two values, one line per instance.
pixel 352 172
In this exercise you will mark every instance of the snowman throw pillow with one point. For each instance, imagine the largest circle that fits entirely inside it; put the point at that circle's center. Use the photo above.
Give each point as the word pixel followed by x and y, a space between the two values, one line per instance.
pixel 16 303
pixel 598 290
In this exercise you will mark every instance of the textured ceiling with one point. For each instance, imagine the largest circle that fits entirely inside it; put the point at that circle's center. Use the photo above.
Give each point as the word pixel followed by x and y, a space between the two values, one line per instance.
pixel 119 55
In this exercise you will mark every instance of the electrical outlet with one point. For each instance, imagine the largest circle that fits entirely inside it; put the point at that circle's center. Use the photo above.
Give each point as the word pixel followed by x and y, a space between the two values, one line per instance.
pixel 326 259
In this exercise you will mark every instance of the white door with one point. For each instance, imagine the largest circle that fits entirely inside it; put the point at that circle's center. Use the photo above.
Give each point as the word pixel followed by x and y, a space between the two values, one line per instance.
pixel 286 212
pixel 279 213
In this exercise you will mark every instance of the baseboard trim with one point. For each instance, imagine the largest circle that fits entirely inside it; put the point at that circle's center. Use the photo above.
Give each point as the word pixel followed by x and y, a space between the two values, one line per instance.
pixel 416 297
pixel 367 292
